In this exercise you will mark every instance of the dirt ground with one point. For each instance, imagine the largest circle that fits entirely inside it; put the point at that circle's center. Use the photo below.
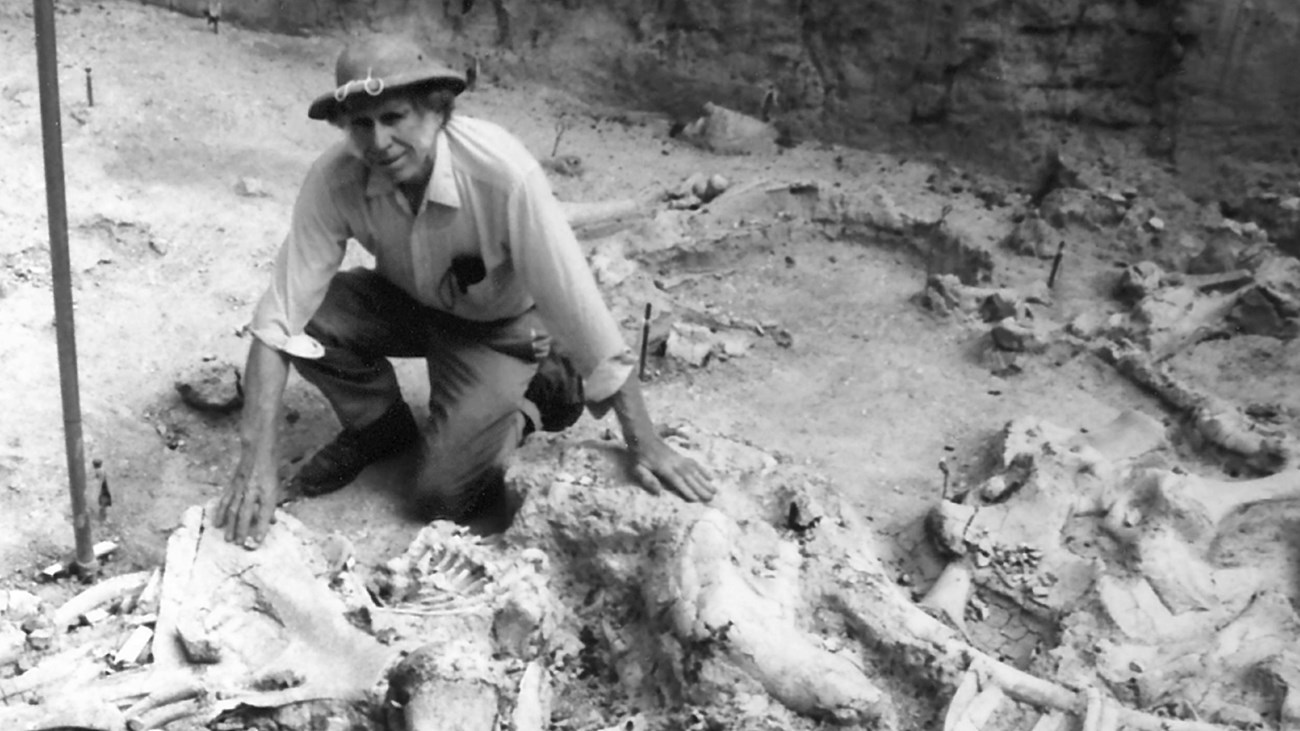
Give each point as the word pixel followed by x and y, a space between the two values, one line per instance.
pixel 169 257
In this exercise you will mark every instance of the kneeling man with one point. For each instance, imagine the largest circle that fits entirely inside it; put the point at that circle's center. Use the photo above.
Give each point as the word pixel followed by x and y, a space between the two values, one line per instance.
pixel 476 271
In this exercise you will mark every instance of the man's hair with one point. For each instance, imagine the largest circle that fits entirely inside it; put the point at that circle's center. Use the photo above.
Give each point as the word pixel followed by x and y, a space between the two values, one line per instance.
pixel 437 99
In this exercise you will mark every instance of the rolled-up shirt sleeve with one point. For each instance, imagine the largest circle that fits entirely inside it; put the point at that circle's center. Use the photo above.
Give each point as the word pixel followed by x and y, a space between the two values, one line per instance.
pixel 309 257
pixel 547 256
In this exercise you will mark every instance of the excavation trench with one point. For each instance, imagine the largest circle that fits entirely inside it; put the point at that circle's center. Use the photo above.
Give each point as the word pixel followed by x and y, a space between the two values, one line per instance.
pixel 1066 581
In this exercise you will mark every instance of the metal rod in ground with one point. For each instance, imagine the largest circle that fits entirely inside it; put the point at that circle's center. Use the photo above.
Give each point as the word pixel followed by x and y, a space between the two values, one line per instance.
pixel 932 240
pixel 90 89
pixel 645 341
pixel 1056 265
pixel 48 74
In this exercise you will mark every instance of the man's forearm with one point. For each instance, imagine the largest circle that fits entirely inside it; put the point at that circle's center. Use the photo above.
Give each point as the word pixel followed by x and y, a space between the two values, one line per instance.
pixel 633 416
pixel 265 376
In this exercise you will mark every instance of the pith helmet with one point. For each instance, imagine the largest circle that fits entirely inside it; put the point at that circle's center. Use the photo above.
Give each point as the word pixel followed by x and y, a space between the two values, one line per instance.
pixel 379 64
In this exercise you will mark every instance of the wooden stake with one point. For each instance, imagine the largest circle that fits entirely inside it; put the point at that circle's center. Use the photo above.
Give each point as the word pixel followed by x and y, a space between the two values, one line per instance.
pixel 932 236
pixel 105 497
pixel 561 125
pixel 1056 265
pixel 471 73
pixel 645 341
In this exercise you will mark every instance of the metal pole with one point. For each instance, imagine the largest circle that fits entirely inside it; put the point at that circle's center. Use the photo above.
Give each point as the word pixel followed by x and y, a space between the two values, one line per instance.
pixel 48 72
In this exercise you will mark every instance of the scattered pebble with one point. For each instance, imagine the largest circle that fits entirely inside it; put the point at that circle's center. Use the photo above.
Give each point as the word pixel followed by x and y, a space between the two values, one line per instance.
pixel 17 605
pixel 691 344
pixel 251 188
pixel 718 185
pixel 12 642
pixel 213 386
pixel 994 489
pixel 570 166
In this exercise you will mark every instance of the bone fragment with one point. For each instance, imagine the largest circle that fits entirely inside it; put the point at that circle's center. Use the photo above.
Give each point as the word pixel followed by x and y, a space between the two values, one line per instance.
pixel 875 609
pixel 710 595
pixel 58 570
pixel 65 667
pixel 1195 506
pixel 163 715
pixel 533 705
pixel 976 716
pixel 1226 280
pixel 423 698
pixel 98 595
pixel 1284 670
pixel 1091 709
pixel 1139 612
pixel 182 549
pixel 727 131
pixel 1109 720
pixel 597 216
pixel 970 298
pixel 1053 720
pixel 132 649
pixel 147 600
pixel 1100 713
pixel 171 692
pixel 947 524
pixel 200 646
pixel 967 689
pixel 950 594
pixel 973 704
pixel 68 714
pixel 1182 580
pixel 1221 498
pixel 1218 422
pixel 1129 435
pixel 1177 318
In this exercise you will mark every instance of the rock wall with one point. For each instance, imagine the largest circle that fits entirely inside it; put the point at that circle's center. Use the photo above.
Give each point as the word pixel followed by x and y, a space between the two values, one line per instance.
pixel 994 80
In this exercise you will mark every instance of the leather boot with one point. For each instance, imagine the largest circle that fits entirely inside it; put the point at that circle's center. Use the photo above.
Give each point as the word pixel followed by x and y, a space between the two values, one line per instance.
pixel 339 462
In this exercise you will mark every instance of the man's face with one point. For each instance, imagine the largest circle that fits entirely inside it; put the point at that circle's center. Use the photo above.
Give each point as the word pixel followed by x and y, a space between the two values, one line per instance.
pixel 394 137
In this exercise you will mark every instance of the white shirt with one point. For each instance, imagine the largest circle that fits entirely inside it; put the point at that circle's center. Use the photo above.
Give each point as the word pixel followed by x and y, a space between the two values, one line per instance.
pixel 487 197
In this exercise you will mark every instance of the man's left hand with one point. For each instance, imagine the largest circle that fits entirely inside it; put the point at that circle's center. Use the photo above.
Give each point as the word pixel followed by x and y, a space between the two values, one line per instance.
pixel 658 465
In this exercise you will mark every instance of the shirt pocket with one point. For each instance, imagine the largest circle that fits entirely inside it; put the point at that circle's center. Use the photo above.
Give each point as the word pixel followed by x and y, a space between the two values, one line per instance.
pixel 491 298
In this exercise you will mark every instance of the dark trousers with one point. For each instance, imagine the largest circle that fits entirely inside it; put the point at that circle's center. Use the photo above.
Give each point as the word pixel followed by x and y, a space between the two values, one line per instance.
pixel 478 373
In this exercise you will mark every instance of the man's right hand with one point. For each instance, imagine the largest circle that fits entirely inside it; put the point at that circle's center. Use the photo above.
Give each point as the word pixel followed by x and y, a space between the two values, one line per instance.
pixel 247 507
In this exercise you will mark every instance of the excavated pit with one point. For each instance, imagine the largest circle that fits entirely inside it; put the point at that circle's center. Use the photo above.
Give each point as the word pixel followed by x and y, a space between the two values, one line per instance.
pixel 602 607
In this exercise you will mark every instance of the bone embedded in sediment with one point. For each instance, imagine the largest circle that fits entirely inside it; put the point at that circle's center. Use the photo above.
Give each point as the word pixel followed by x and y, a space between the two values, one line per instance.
pixel 712 600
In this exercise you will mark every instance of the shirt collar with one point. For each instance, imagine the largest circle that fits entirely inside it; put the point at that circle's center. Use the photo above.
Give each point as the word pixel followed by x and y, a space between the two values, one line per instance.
pixel 442 182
